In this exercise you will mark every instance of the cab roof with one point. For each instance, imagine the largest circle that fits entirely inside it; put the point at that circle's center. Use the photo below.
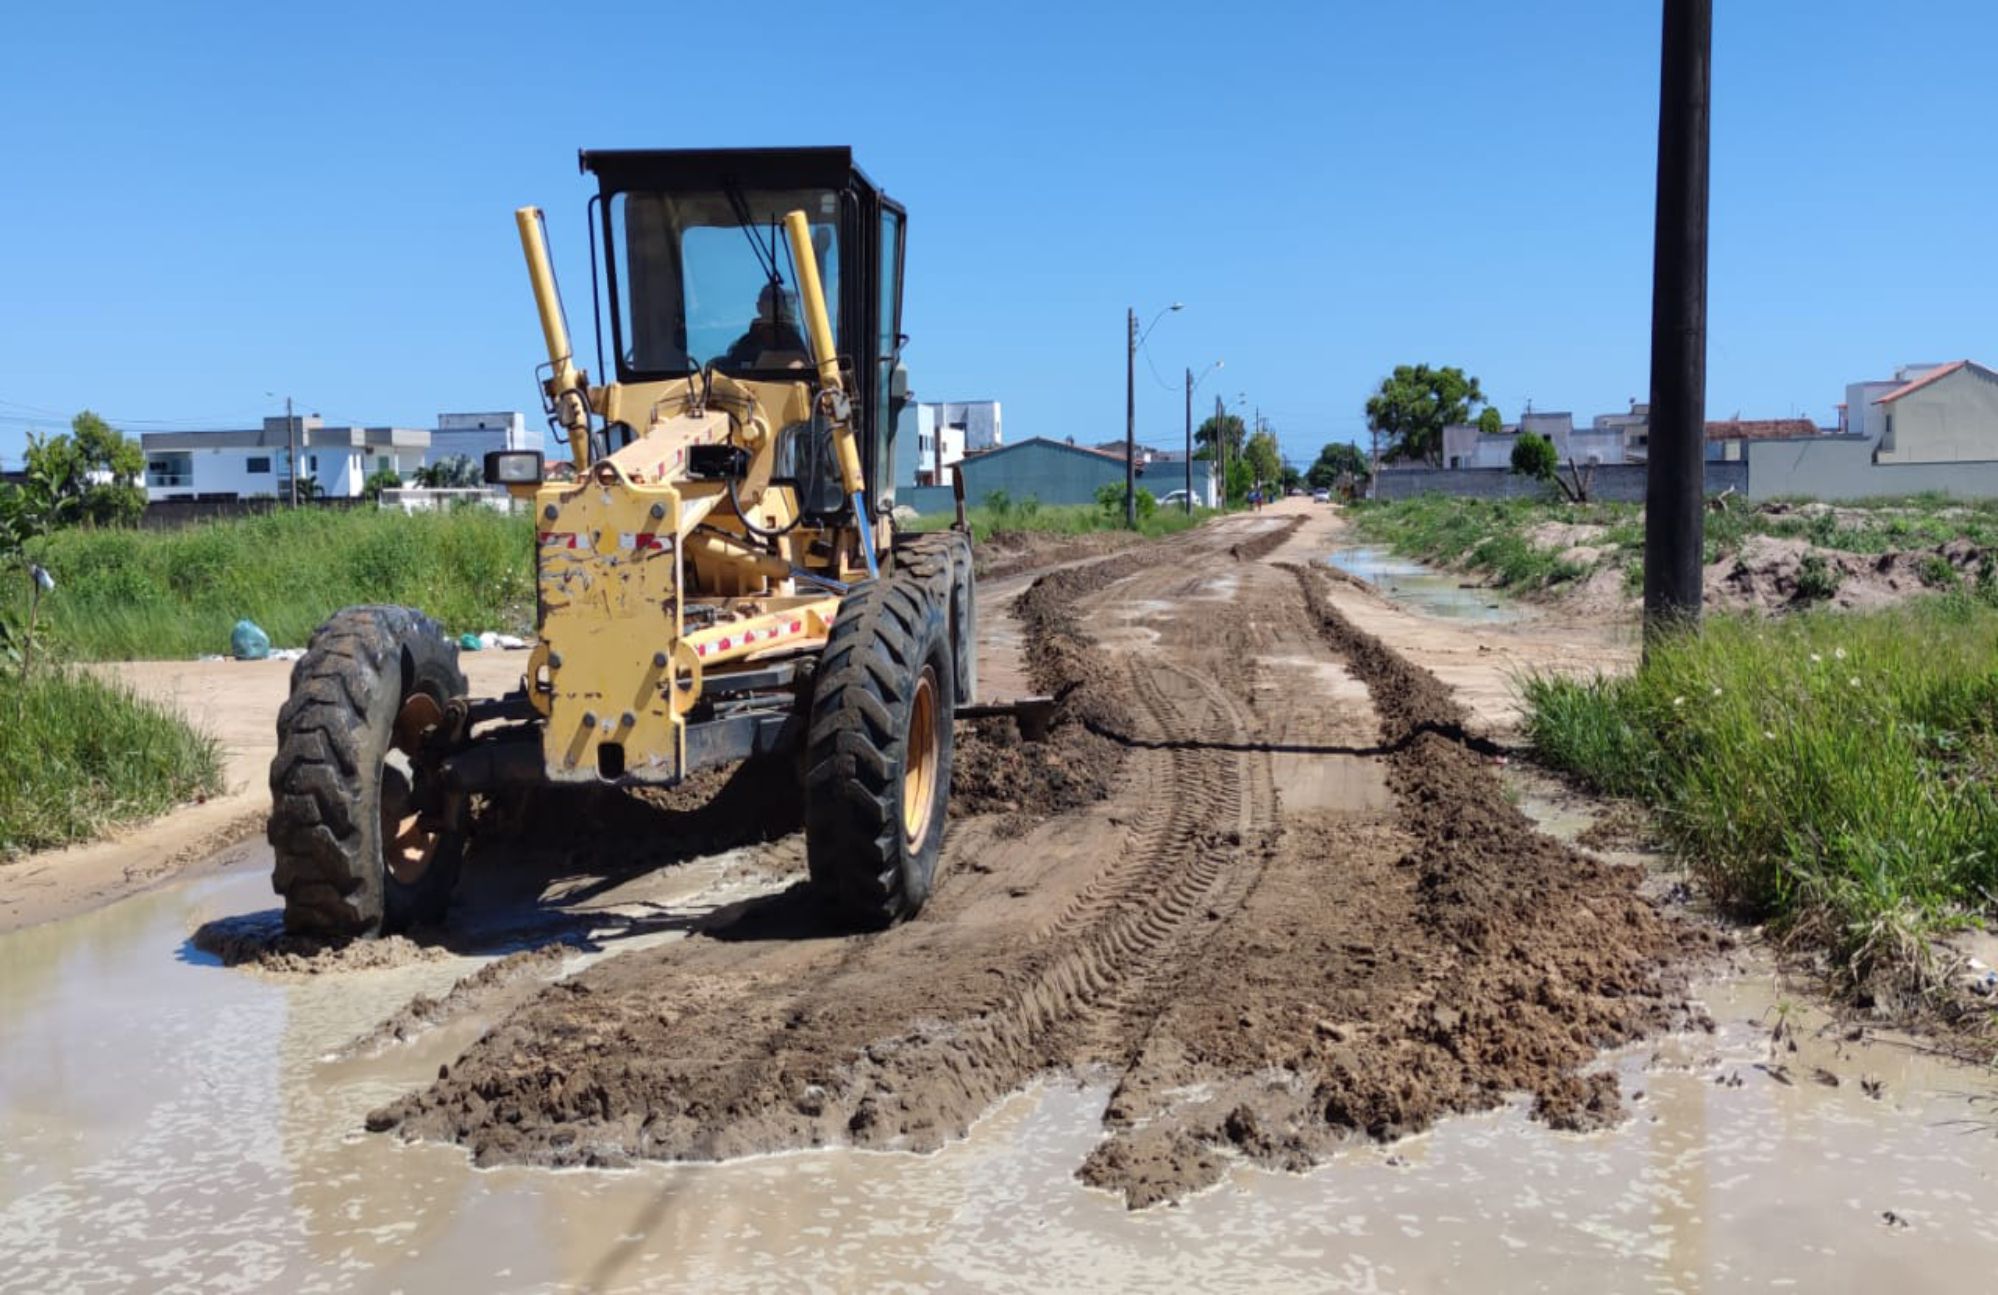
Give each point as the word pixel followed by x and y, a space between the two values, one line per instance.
pixel 826 167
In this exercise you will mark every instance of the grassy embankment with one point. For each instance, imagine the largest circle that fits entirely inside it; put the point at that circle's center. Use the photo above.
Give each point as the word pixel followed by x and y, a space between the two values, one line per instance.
pixel 1831 773
pixel 78 755
pixel 999 514
pixel 1494 537
pixel 123 595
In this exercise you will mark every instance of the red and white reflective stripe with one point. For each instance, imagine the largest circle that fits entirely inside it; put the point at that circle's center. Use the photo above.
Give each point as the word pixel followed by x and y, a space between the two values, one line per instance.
pixel 750 637
pixel 641 541
pixel 564 539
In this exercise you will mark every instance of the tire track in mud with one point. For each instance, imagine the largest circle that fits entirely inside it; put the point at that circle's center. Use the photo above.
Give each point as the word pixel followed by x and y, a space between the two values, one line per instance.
pixel 1265 985
pixel 718 1047
pixel 1392 969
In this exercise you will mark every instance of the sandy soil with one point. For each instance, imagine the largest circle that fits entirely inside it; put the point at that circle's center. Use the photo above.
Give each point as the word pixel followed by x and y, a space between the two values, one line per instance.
pixel 1305 914
pixel 236 702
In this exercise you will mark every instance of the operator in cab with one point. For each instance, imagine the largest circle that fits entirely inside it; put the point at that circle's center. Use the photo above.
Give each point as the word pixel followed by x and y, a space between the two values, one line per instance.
pixel 773 337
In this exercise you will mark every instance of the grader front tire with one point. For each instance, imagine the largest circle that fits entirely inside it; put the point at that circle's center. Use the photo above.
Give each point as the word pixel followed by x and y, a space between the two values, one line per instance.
pixel 878 751
pixel 350 857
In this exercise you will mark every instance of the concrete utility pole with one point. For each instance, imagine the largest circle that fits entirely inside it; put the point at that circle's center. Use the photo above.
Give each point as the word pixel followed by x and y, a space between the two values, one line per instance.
pixel 1221 453
pixel 1131 419
pixel 1191 383
pixel 291 439
pixel 1189 440
pixel 1674 491
pixel 1133 340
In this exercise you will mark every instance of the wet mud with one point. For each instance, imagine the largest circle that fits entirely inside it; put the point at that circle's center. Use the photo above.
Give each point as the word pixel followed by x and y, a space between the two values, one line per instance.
pixel 1259 982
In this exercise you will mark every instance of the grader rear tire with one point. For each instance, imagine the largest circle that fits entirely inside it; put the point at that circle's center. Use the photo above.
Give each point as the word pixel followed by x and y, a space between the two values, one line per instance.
pixel 351 856
pixel 945 557
pixel 878 751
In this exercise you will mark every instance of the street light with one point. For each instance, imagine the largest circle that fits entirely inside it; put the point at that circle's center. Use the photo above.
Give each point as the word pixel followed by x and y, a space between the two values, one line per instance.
pixel 1134 339
pixel 1191 383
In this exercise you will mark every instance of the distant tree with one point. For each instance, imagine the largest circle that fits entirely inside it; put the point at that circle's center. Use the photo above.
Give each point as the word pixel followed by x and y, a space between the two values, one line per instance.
pixel 453 472
pixel 1292 478
pixel 309 487
pixel 1110 498
pixel 1338 459
pixel 1489 421
pixel 89 476
pixel 379 480
pixel 1232 431
pixel 1265 460
pixel 1533 456
pixel 1415 404
pixel 1241 479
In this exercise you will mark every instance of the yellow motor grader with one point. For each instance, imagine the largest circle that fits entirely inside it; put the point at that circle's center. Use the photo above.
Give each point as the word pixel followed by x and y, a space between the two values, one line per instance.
pixel 718 574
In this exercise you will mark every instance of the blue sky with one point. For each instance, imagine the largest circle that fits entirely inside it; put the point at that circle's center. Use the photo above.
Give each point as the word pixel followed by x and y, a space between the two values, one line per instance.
pixel 205 203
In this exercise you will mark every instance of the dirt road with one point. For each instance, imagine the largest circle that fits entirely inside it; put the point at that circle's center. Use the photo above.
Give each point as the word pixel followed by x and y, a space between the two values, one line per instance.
pixel 1260 898
pixel 1304 913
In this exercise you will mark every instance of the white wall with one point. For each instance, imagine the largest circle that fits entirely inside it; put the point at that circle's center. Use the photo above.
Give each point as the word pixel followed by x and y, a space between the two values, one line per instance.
pixel 477 435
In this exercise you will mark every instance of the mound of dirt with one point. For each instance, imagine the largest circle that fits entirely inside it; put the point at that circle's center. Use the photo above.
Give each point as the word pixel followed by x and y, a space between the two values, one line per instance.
pixel 1467 957
pixel 1768 574
pixel 994 771
pixel 259 941
pixel 1564 535
pixel 482 990
pixel 1008 553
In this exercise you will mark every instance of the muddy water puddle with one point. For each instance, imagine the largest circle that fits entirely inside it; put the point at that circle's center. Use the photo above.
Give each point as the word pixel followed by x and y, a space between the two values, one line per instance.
pixel 1423 588
pixel 169 1123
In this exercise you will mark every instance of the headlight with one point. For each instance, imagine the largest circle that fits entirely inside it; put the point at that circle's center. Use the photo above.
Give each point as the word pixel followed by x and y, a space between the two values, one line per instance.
pixel 513 468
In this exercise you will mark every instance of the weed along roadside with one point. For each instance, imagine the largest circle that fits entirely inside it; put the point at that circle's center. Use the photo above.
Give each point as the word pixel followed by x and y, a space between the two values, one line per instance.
pixel 79 755
pixel 1828 772
pixel 147 595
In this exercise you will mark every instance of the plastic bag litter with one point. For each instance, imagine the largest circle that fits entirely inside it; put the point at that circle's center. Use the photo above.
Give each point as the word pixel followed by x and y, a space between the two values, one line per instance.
pixel 510 642
pixel 469 642
pixel 287 654
pixel 248 642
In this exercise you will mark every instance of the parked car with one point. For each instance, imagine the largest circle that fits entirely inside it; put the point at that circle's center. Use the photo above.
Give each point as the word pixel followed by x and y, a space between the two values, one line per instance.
pixel 1174 499
pixel 1321 496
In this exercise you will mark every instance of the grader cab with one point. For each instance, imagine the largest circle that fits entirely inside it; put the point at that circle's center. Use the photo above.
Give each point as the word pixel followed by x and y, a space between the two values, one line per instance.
pixel 718 572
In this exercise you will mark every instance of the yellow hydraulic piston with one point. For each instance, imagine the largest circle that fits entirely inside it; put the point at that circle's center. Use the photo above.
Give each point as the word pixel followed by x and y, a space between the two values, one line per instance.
pixel 567 382
pixel 832 392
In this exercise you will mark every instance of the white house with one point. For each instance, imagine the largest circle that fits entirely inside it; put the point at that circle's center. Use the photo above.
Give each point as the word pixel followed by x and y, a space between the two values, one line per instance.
pixel 476 435
pixel 248 462
pixel 938 434
pixel 1946 415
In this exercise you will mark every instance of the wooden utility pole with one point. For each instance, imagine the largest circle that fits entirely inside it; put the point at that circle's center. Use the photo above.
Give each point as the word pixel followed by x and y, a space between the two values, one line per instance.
pixel 291 441
pixel 1674 492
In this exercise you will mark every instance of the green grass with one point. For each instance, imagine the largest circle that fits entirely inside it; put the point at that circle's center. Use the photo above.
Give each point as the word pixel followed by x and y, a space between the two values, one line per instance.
pixel 78 755
pixel 123 594
pixel 1062 519
pixel 1830 772
pixel 1489 535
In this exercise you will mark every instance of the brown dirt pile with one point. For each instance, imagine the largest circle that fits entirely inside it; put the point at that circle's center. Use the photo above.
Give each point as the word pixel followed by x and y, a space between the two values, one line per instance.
pixel 1008 553
pixel 483 990
pixel 1387 971
pixel 1767 574
pixel 259 942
